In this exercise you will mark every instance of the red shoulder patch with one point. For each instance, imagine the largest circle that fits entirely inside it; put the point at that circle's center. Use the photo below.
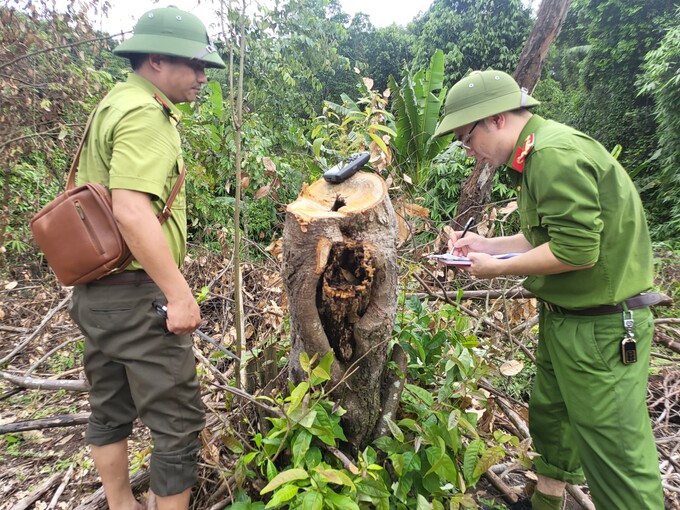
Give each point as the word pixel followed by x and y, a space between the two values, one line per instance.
pixel 522 152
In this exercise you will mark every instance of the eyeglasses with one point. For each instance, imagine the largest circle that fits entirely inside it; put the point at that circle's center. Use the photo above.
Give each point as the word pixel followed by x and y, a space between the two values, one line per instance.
pixel 465 140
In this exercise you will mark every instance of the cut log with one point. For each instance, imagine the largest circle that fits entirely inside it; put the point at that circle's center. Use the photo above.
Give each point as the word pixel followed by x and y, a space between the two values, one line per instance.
pixel 340 273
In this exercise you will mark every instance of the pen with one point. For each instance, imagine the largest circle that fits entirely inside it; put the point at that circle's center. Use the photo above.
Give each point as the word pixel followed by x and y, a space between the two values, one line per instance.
pixel 467 227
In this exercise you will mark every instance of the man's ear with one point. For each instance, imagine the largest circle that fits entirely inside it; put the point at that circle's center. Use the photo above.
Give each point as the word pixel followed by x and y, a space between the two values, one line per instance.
pixel 155 61
pixel 498 120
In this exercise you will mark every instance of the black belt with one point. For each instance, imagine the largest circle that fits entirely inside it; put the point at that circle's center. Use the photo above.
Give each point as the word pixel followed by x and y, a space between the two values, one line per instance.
pixel 124 278
pixel 639 301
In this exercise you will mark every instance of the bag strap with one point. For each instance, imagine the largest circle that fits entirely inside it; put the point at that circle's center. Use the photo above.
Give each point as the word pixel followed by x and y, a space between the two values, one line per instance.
pixel 71 181
pixel 164 214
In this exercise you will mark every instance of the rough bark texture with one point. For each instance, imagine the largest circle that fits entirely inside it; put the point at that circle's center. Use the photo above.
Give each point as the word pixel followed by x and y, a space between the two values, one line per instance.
pixel 476 189
pixel 340 273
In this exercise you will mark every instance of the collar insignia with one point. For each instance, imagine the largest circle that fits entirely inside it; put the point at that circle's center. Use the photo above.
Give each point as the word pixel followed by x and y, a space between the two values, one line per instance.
pixel 166 108
pixel 522 153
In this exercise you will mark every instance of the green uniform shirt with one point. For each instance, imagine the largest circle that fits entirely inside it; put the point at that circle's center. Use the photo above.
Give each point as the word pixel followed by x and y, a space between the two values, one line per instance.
pixel 574 195
pixel 133 144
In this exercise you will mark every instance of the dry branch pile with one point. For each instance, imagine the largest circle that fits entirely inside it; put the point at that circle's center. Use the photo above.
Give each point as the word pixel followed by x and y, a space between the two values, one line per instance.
pixel 47 466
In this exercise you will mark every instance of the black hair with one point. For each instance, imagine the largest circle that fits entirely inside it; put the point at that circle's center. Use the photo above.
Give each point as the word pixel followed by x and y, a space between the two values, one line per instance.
pixel 136 60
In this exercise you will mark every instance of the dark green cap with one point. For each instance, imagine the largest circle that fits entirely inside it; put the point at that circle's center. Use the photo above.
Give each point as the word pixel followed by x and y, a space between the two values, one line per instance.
pixel 171 31
pixel 480 95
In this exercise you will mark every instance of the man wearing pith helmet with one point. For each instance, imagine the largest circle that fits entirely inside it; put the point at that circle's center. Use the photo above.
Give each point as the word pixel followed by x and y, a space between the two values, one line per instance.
pixel 585 250
pixel 138 363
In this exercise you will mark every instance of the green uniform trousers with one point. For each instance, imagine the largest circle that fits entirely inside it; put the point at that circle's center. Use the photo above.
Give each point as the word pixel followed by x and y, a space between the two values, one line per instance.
pixel 135 368
pixel 588 411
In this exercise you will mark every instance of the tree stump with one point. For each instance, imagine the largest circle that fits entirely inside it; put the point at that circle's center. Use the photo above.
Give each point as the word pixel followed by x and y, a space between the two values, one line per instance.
pixel 340 273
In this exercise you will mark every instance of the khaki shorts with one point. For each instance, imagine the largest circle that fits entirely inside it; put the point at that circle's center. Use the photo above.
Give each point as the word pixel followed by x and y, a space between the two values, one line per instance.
pixel 136 369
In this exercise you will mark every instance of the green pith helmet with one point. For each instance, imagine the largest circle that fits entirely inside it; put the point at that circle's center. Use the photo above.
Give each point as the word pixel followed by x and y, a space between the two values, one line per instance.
pixel 481 95
pixel 171 31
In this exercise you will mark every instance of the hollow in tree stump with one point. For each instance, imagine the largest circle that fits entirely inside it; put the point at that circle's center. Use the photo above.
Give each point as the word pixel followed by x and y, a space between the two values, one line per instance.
pixel 340 273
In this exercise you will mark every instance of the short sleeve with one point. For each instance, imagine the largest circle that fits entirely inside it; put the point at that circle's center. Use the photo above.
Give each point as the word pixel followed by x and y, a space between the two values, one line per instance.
pixel 145 151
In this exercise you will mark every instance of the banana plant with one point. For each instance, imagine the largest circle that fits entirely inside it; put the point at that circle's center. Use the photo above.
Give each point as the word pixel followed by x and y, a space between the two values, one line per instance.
pixel 417 103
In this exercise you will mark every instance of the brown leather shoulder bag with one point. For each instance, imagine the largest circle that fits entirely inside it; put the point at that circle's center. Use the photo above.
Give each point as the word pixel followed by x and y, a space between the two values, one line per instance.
pixel 78 233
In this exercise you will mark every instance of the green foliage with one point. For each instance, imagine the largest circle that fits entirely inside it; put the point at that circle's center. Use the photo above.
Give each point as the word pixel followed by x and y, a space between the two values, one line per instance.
pixel 661 80
pixel 435 450
pixel 417 103
pixel 311 478
pixel 434 453
pixel 474 34
pixel 353 126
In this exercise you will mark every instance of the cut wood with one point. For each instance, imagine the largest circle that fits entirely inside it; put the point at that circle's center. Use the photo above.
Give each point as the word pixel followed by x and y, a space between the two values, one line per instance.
pixel 63 420
pixel 340 273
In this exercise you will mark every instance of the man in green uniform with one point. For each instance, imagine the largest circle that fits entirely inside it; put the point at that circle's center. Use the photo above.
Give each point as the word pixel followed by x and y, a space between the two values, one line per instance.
pixel 585 248
pixel 138 364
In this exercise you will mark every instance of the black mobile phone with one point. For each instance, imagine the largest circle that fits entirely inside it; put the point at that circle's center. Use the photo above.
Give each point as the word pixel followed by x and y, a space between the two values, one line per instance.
pixel 347 168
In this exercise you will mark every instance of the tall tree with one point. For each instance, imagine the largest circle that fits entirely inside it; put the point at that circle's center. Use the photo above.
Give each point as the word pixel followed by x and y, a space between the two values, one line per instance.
pixel 474 34
pixel 477 187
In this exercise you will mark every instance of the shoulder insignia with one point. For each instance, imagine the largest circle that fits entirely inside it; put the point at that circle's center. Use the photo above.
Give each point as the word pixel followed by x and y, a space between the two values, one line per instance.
pixel 166 108
pixel 522 153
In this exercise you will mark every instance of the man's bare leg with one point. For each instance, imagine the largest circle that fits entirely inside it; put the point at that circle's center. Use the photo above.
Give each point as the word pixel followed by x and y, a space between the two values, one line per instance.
pixel 111 462
pixel 175 502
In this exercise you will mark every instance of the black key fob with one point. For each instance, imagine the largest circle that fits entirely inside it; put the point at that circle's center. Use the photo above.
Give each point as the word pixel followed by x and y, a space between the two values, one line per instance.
pixel 628 351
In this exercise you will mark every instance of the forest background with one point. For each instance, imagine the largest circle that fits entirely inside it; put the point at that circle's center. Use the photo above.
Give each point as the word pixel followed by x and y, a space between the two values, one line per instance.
pixel 317 85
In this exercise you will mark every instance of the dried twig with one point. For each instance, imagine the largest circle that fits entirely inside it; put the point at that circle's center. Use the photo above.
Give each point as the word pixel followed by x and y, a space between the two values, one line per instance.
pixel 37 493
pixel 60 489
pixel 40 327
pixel 64 420
pixel 35 383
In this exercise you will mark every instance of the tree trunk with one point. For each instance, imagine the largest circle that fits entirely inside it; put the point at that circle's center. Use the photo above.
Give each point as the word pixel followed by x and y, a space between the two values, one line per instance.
pixel 476 190
pixel 340 273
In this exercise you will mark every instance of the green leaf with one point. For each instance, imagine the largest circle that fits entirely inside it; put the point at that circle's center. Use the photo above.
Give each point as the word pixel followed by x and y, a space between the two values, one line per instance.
pixel 297 395
pixel 394 429
pixel 300 447
pixel 284 494
pixel 441 463
pixel 340 502
pixel 304 362
pixel 335 476
pixel 423 504
pixel 470 459
pixel 385 129
pixel 316 147
pixel 379 142
pixel 322 372
pixel 312 500
pixel 422 394
pixel 287 476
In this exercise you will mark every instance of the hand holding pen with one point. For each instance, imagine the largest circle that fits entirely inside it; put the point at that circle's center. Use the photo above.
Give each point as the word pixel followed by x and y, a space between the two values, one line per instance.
pixel 466 228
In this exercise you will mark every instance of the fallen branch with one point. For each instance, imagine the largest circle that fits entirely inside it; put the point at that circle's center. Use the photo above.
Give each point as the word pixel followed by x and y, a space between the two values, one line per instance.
pixel 34 383
pixel 508 494
pixel 40 327
pixel 515 293
pixel 60 489
pixel 37 493
pixel 63 420
pixel 476 315
pixel 667 341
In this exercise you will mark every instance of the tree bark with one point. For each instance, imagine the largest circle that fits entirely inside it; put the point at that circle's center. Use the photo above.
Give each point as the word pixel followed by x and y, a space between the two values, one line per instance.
pixel 476 189
pixel 340 273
